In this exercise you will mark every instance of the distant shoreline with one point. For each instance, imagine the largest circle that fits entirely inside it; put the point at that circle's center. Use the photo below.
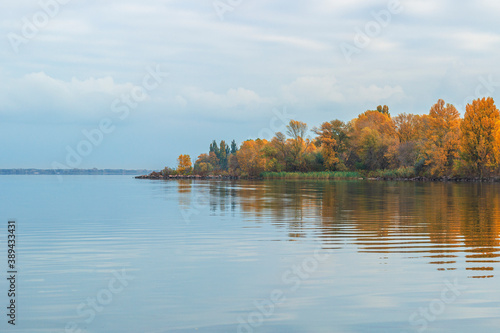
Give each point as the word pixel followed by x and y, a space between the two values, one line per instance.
pixel 74 172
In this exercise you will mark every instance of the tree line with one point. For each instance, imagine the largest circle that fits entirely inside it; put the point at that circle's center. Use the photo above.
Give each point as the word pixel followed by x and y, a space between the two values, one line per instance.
pixel 437 144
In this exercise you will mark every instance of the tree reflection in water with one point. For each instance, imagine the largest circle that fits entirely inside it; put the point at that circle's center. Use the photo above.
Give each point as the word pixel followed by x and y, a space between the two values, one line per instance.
pixel 450 225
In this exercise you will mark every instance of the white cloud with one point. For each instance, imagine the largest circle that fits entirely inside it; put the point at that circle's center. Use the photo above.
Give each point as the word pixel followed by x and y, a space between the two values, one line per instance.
pixel 338 7
pixel 384 45
pixel 75 87
pixel 312 90
pixel 38 95
pixel 232 98
pixel 476 41
pixel 424 8
pixel 293 41
pixel 264 54
pixel 491 4
pixel 376 94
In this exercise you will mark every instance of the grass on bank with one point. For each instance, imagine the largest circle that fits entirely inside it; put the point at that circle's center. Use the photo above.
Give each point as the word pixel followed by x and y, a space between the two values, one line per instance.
pixel 311 175
pixel 403 172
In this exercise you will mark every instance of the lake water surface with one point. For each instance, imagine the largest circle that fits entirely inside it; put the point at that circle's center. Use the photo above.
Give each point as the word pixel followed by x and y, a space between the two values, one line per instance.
pixel 115 254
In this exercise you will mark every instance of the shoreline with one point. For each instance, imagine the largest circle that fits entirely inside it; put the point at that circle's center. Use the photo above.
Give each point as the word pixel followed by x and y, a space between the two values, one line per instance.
pixel 409 179
pixel 441 179
pixel 195 177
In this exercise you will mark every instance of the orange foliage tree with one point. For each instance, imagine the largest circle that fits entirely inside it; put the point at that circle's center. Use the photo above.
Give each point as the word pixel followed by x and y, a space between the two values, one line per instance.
pixel 437 143
pixel 496 143
pixel 478 135
pixel 251 157
pixel 410 131
pixel 278 152
pixel 374 140
pixel 332 140
pixel 441 146
pixel 407 127
pixel 202 166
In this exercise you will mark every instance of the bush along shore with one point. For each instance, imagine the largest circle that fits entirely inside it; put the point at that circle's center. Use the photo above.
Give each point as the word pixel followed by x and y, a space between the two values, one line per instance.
pixel 439 146
pixel 264 175
pixel 159 175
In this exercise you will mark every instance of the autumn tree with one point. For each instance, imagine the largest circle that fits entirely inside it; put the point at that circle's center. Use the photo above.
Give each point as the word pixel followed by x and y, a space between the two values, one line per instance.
pixel 292 154
pixel 184 164
pixel 251 157
pixel 496 143
pixel 383 109
pixel 299 145
pixel 214 160
pixel 202 166
pixel 478 135
pixel 410 131
pixel 374 140
pixel 407 127
pixel 278 152
pixel 233 166
pixel 441 146
pixel 332 140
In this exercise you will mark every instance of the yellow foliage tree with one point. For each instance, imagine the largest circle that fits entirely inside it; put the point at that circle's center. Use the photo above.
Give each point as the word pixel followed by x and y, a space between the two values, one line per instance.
pixel 251 157
pixel 202 166
pixel 184 164
pixel 298 143
pixel 332 139
pixel 407 127
pixel 496 143
pixel 441 146
pixel 479 135
pixel 278 151
pixel 374 140
pixel 376 120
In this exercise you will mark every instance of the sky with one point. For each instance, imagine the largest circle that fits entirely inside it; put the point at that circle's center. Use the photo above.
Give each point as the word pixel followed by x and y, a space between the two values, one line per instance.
pixel 130 84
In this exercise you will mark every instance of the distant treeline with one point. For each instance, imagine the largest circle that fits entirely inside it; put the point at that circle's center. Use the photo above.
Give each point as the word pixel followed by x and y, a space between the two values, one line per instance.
pixel 437 144
pixel 72 172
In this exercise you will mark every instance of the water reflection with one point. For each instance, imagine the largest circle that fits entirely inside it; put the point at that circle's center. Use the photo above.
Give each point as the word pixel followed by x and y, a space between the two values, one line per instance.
pixel 451 226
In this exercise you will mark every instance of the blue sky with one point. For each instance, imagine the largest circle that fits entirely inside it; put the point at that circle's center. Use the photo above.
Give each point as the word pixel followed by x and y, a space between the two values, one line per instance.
pixel 235 72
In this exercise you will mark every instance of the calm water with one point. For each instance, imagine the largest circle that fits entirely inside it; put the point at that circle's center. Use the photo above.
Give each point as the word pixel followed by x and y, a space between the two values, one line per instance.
pixel 276 256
